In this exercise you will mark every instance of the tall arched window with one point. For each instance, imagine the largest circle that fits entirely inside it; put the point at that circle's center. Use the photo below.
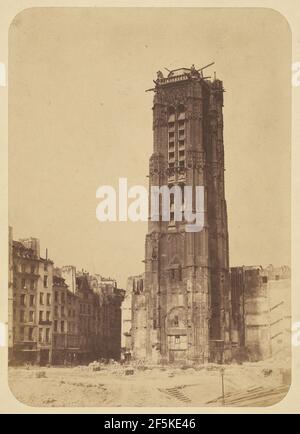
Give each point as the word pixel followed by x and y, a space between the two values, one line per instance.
pixel 171 140
pixel 176 152
pixel 181 136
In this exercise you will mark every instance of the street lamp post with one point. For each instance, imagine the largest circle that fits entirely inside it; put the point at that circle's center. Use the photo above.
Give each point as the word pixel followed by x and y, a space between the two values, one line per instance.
pixel 222 370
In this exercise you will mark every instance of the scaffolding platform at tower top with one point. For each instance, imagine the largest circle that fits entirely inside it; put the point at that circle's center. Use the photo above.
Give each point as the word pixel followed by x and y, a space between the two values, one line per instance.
pixel 180 74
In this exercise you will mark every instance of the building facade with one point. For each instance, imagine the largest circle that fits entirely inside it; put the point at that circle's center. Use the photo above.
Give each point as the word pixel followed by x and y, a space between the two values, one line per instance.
pixel 10 328
pixel 31 316
pixel 109 299
pixel 56 315
pixel 65 323
pixel 187 290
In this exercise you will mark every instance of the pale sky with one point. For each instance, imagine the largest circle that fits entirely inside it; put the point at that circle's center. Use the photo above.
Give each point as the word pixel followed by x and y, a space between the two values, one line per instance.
pixel 79 118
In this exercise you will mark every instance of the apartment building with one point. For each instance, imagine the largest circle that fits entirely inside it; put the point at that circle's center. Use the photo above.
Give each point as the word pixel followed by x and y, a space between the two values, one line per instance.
pixel 58 315
pixel 30 322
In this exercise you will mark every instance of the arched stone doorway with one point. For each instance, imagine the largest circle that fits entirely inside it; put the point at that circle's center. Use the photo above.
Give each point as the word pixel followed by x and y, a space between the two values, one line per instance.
pixel 176 329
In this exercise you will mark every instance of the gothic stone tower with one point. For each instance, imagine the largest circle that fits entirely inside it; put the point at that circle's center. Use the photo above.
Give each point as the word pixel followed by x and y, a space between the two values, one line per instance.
pixel 187 291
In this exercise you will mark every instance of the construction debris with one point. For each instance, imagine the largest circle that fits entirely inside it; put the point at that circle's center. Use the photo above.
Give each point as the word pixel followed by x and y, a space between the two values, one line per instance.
pixel 40 374
pixel 95 366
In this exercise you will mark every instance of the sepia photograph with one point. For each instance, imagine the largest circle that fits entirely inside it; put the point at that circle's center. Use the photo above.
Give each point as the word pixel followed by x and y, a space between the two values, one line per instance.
pixel 149 207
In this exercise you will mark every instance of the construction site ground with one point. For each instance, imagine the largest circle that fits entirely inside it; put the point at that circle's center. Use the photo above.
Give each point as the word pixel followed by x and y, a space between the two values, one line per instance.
pixel 115 385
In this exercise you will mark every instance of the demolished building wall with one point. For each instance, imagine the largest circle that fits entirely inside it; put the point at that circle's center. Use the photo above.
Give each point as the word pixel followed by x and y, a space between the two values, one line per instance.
pixel 257 320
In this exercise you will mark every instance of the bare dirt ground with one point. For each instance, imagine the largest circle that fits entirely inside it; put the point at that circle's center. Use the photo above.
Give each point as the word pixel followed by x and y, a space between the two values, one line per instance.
pixel 251 384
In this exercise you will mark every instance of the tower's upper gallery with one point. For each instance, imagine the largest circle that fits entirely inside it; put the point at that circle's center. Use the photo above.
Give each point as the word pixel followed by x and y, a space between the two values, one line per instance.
pixel 180 74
